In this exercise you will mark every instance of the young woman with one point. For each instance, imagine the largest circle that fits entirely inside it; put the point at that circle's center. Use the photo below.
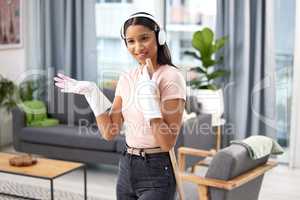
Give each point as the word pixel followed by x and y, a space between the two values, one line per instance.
pixel 149 102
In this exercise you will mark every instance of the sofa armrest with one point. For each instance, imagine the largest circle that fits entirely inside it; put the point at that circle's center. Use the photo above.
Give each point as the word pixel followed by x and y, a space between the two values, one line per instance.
pixel 18 118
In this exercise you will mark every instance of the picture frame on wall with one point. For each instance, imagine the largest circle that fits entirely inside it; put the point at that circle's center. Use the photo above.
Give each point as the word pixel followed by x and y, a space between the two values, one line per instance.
pixel 11 33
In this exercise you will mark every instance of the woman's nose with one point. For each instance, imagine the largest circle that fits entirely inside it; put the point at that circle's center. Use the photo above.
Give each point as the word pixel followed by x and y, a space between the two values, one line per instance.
pixel 139 46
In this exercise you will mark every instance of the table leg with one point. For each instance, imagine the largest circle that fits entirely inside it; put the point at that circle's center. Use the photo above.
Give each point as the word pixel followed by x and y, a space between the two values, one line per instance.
pixel 51 187
pixel 84 177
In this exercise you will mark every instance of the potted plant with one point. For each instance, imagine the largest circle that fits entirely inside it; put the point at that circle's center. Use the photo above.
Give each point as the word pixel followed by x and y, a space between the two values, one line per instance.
pixel 7 102
pixel 31 89
pixel 204 86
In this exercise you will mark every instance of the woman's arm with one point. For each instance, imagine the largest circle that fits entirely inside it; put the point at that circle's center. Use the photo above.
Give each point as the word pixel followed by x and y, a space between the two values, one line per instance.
pixel 166 129
pixel 110 122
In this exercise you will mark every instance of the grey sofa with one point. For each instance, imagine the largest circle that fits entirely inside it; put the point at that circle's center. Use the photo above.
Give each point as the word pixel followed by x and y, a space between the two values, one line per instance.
pixel 77 137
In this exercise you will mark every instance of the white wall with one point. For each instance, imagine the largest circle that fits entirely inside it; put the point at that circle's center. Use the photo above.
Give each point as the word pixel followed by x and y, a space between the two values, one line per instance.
pixel 295 125
pixel 12 61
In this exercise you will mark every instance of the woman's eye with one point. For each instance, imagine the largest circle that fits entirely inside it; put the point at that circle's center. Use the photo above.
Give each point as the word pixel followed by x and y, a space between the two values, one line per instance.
pixel 129 41
pixel 144 38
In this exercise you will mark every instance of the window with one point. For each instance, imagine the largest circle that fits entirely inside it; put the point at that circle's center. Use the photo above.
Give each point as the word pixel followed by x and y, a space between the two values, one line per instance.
pixel 184 17
pixel 284 24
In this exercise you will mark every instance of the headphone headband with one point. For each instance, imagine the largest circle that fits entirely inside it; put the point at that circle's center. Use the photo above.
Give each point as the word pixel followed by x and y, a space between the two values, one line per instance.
pixel 148 16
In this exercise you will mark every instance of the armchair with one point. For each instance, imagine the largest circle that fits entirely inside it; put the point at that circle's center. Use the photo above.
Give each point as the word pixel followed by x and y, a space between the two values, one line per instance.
pixel 230 175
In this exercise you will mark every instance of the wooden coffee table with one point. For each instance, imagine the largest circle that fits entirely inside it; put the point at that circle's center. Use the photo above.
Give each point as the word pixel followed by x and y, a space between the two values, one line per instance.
pixel 44 169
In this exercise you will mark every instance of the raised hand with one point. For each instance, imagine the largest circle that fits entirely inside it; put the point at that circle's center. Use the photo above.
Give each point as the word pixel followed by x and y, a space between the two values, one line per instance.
pixel 147 93
pixel 96 99
pixel 70 85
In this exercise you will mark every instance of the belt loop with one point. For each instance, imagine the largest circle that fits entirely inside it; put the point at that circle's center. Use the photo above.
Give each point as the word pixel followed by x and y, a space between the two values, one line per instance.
pixel 144 155
pixel 141 152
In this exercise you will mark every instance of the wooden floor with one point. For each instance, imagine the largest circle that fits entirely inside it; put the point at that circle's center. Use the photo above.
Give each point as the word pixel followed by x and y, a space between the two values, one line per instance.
pixel 281 183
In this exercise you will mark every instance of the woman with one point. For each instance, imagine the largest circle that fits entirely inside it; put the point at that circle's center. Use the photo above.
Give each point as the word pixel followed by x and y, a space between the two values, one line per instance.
pixel 149 102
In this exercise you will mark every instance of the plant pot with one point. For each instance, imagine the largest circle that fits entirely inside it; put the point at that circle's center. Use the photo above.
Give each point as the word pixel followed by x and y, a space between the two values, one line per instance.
pixel 212 102
pixel 6 136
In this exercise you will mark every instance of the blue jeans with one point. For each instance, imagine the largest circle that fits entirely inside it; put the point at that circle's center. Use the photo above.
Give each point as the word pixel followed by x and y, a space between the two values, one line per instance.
pixel 146 178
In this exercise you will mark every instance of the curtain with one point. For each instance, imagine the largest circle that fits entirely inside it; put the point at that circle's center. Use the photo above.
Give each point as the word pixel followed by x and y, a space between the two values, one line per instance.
pixel 295 122
pixel 249 90
pixel 62 37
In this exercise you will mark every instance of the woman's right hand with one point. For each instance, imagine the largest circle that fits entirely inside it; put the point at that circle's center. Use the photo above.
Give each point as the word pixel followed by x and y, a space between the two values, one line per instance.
pixel 96 99
pixel 69 85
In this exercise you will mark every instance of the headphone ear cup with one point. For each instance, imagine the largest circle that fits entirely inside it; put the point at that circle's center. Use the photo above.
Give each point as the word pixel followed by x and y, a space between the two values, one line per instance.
pixel 162 37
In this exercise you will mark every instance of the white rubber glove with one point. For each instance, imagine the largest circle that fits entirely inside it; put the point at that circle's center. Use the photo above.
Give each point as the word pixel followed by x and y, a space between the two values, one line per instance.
pixel 147 94
pixel 98 102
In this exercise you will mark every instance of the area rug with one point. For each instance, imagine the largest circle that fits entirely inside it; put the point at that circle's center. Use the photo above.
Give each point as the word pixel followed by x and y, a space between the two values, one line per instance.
pixel 38 192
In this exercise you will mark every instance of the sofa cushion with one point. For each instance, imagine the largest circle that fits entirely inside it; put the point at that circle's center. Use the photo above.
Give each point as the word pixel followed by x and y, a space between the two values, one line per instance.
pixel 71 108
pixel 68 108
pixel 109 93
pixel 82 110
pixel 68 136
pixel 35 110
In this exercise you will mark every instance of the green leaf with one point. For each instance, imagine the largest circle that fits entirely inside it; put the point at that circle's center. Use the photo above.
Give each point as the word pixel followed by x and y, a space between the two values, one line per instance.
pixel 216 74
pixel 203 41
pixel 193 54
pixel 208 87
pixel 220 43
pixel 207 36
pixel 195 83
pixel 7 93
pixel 208 63
pixel 199 70
pixel 197 42
pixel 212 87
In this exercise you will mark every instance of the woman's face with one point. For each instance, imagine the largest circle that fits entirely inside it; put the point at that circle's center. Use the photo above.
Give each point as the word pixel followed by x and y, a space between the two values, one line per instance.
pixel 141 43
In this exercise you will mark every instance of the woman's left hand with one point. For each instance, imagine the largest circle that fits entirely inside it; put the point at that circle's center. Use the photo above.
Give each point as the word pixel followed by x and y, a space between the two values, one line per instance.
pixel 149 66
pixel 147 93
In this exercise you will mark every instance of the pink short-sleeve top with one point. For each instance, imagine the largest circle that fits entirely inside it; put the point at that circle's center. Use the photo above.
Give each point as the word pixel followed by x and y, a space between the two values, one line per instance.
pixel 171 85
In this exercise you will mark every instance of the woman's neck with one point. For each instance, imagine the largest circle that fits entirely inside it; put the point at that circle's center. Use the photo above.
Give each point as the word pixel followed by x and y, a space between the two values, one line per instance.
pixel 155 65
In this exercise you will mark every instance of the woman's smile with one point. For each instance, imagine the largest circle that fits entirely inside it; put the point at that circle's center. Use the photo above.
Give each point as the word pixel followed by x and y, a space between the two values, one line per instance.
pixel 141 56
